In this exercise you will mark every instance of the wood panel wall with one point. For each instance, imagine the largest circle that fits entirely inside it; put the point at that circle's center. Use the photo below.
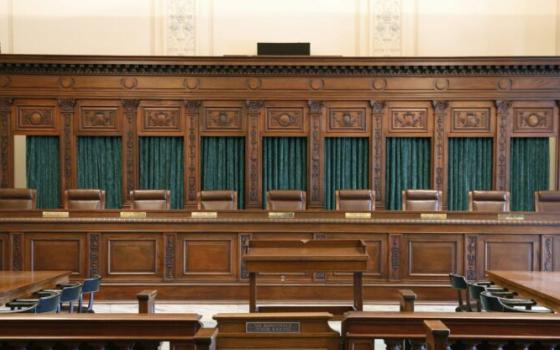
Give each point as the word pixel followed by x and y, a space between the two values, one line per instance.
pixel 131 97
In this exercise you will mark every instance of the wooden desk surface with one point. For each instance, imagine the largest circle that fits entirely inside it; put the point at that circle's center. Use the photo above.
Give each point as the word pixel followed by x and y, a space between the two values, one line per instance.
pixel 544 287
pixel 15 284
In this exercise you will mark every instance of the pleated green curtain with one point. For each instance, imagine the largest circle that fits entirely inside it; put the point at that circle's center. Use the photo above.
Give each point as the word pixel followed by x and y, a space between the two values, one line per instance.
pixel 161 166
pixel 223 165
pixel 407 167
pixel 346 166
pixel 530 163
pixel 284 164
pixel 99 166
pixel 469 168
pixel 43 169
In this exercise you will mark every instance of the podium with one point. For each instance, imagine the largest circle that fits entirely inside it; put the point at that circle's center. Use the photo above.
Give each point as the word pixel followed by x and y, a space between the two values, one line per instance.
pixel 272 256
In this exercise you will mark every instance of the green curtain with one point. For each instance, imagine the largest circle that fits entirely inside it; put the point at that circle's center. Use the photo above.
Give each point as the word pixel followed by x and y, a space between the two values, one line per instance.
pixel 43 169
pixel 530 163
pixel 470 168
pixel 99 166
pixel 284 164
pixel 223 166
pixel 407 167
pixel 346 166
pixel 161 166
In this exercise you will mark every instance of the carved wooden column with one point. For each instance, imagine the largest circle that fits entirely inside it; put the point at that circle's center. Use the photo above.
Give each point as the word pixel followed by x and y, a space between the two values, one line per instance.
pixel 441 109
pixel 502 145
pixel 377 143
pixel 68 150
pixel 316 155
pixel 254 169
pixel 131 141
pixel 192 151
pixel 6 143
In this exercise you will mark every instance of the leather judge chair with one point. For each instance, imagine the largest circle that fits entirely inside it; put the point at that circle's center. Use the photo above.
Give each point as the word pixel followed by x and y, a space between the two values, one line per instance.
pixel 355 200
pixel 285 200
pixel 17 199
pixel 421 200
pixel 489 201
pixel 217 200
pixel 150 199
pixel 547 201
pixel 84 199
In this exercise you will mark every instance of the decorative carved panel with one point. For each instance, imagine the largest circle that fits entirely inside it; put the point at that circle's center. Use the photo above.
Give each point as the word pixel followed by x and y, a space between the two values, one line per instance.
pixel 98 118
pixel 344 120
pixel 470 120
pixel 415 120
pixel 162 119
pixel 222 119
pixel 533 120
pixel 33 118
pixel 284 119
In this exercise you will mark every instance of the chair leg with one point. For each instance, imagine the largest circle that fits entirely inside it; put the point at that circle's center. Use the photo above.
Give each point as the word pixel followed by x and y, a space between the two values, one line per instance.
pixel 468 296
pixel 70 307
pixel 460 300
pixel 90 303
pixel 80 303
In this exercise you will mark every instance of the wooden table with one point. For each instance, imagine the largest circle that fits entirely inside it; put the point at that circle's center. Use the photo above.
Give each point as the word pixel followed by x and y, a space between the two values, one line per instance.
pixel 268 256
pixel 543 287
pixel 14 284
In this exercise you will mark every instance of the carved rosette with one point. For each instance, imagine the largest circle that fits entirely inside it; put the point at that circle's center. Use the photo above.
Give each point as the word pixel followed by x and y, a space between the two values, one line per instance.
pixel 66 107
pixel 243 247
pixel 471 258
pixel 5 111
pixel 130 109
pixel 193 113
pixel 94 253
pixel 378 108
pixel 504 112
pixel 316 112
pixel 254 110
pixel 395 254
pixel 170 239
pixel 441 109
pixel 17 252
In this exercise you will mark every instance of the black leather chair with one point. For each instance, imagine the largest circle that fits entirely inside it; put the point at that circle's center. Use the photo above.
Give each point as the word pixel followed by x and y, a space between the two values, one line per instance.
pixel 46 302
pixel 494 303
pixel 475 290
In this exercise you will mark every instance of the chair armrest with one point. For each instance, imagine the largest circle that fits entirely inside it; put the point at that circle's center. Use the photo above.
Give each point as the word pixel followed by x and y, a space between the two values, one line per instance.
pixel 484 283
pixel 519 302
pixel 512 309
pixel 503 294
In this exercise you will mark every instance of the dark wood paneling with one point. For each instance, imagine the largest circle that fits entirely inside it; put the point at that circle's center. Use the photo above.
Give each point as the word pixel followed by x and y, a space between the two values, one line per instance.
pixel 43 251
pixel 431 256
pixel 519 252
pixel 4 251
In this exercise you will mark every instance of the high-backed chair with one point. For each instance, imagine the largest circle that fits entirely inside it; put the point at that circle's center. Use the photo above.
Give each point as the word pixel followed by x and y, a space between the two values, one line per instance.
pixel 489 201
pixel 285 200
pixel 150 199
pixel 84 199
pixel 217 200
pixel 421 200
pixel 355 200
pixel 547 201
pixel 18 199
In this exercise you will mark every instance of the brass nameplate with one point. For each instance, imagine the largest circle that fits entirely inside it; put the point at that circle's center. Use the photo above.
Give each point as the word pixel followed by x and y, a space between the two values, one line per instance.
pixel 433 216
pixel 357 215
pixel 511 217
pixel 204 215
pixel 133 214
pixel 56 214
pixel 281 215
pixel 272 327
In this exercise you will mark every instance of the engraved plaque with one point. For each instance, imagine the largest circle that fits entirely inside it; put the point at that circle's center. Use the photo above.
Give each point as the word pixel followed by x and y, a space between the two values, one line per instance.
pixel 133 214
pixel 272 327
pixel 357 215
pixel 511 217
pixel 281 215
pixel 204 215
pixel 56 214
pixel 433 216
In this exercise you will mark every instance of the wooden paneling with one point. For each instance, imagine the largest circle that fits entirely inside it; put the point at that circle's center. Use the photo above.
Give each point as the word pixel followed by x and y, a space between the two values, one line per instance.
pixel 36 117
pixel 476 119
pixel 520 252
pixel 4 251
pixel 285 118
pixel 99 117
pixel 534 119
pixel 410 119
pixel 43 251
pixel 431 256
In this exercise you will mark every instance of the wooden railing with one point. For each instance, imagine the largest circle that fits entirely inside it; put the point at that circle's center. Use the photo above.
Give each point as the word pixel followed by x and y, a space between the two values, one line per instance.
pixel 444 331
pixel 104 331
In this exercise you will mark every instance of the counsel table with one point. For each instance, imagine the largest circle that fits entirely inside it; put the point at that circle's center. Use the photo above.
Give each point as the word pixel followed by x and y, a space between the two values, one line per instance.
pixel 544 287
pixel 15 284
pixel 306 256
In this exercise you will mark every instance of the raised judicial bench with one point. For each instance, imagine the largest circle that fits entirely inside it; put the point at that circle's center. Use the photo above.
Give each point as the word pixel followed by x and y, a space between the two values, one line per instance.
pixel 360 329
pixel 187 256
pixel 104 331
